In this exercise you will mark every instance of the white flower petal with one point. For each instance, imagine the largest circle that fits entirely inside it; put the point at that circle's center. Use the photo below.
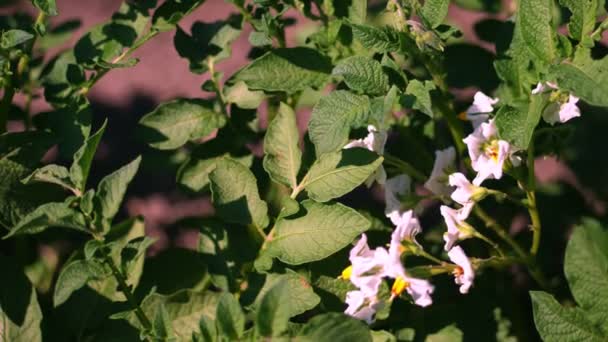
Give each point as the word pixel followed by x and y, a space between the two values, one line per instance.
pixel 467 276
pixel 444 162
pixel 393 189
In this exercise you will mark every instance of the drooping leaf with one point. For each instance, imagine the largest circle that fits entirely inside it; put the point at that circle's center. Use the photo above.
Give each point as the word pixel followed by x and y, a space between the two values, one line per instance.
pixel 12 38
pixel 79 171
pixel 584 77
pixel 417 96
pixel 111 190
pixel 535 18
pixel 174 123
pixel 283 157
pixel 184 308
pixel 516 125
pixel 194 173
pixel 583 17
pixel 230 319
pixel 302 298
pixel 586 268
pixel 50 215
pixel 240 95
pixel 272 314
pixel 54 174
pixel 362 74
pixel 334 327
pixel 556 323
pixel 20 314
pixel 74 276
pixel 451 333
pixel 434 12
pixel 333 116
pixel 338 173
pixel 161 326
pixel 322 230
pixel 171 12
pixel 49 7
pixel 235 194
pixel 207 40
pixel 288 70
pixel 378 39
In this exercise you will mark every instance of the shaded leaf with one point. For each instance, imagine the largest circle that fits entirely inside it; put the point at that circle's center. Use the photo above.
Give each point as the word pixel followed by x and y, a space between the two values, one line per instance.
pixel 283 157
pixel 362 74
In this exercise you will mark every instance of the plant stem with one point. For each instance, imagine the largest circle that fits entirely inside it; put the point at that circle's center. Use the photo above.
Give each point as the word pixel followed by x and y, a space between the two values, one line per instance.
pixel 126 290
pixel 404 166
pixel 532 208
pixel 5 104
pixel 503 234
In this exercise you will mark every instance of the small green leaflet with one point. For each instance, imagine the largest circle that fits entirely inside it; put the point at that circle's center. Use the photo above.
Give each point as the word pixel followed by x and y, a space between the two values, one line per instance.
pixel 338 173
pixel 418 96
pixel 174 123
pixel 234 193
pixel 321 232
pixel 362 74
pixel 516 125
pixel 288 70
pixel 434 12
pixel 50 215
pixel 378 39
pixel 283 157
pixel 332 118
pixel 537 29
pixel 583 17
pixel 73 276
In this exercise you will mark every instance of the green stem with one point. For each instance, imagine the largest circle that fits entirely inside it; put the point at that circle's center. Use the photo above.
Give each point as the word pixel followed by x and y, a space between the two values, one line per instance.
pixel 532 208
pixel 126 290
pixel 101 73
pixel 5 104
pixel 404 166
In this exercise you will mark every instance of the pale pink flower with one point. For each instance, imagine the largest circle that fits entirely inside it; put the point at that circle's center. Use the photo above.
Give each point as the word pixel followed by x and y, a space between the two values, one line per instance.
pixel 443 166
pixel 393 189
pixel 478 111
pixel 561 109
pixel 458 229
pixel 361 306
pixel 374 141
pixel 488 153
pixel 464 273
pixel 465 192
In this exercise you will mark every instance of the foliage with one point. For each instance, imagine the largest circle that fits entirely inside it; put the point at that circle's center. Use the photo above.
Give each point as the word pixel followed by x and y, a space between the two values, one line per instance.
pixel 275 259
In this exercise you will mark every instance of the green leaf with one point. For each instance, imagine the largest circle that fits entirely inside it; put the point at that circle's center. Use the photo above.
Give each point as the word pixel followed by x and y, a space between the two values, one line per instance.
pixel 338 173
pixel 74 276
pixel 272 315
pixel 333 116
pixel 451 333
pixel 49 7
pixel 334 327
pixel 171 12
pixel 162 325
pixel 20 314
pixel 582 21
pixel 235 196
pixel 586 268
pixel 516 125
pixel 283 157
pixel 184 308
pixel 556 323
pixel 50 215
pixel 174 123
pixel 585 77
pixel 12 38
pixel 434 12
pixel 378 39
pixel 132 254
pixel 288 70
pixel 320 231
pixel 230 319
pixel 383 336
pixel 54 174
pixel 537 30
pixel 208 329
pixel 417 96
pixel 79 171
pixel 240 95
pixel 194 173
pixel 207 40
pixel 302 298
pixel 111 190
pixel 362 74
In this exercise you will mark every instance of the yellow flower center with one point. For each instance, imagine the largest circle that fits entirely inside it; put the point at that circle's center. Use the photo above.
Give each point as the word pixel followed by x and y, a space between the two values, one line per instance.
pixel 458 271
pixel 462 116
pixel 491 150
pixel 347 273
pixel 399 286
